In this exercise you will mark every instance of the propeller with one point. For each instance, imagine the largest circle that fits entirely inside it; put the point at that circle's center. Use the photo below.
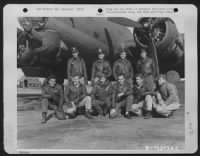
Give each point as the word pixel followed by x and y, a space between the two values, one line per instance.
pixel 125 22
pixel 29 23
pixel 153 53
pixel 151 44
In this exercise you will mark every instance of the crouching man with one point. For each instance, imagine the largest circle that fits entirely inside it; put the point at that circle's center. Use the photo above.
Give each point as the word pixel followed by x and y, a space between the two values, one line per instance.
pixel 52 97
pixel 121 97
pixel 76 97
pixel 166 98
pixel 101 95
pixel 142 98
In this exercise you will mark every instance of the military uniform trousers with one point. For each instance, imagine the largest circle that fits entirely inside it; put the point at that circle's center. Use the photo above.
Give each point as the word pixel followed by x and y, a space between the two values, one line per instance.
pixel 146 104
pixel 163 109
pixel 102 106
pixel 85 102
pixel 126 102
pixel 49 103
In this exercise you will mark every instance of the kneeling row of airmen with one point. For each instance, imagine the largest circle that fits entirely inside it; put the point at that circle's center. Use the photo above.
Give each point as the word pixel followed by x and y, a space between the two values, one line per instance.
pixel 107 98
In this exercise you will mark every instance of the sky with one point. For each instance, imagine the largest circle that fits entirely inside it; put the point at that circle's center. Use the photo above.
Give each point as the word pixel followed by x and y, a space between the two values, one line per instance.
pixel 179 23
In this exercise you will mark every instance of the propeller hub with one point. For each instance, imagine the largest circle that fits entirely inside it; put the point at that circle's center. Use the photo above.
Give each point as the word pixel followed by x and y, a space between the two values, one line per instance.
pixel 152 28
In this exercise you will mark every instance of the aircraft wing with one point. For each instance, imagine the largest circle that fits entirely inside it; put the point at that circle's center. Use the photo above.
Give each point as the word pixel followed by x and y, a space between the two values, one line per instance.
pixel 32 71
pixel 55 34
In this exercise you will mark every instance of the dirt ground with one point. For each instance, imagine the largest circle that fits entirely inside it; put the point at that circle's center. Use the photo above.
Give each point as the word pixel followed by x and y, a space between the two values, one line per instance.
pixel 100 133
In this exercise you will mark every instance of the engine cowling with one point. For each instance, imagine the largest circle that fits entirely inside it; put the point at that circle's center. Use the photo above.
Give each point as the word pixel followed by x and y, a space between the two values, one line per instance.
pixel 168 41
pixel 164 34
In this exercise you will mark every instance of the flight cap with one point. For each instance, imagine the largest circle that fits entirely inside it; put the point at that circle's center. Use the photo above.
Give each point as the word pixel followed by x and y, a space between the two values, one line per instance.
pixel 74 50
pixel 100 51
pixel 121 50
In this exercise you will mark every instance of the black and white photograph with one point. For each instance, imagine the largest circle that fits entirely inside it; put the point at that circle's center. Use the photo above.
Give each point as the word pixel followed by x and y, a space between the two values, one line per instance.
pixel 101 83
pixel 101 51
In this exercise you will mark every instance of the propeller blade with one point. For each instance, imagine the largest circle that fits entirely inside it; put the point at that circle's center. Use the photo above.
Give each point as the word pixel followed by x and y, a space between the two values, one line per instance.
pixel 153 54
pixel 125 22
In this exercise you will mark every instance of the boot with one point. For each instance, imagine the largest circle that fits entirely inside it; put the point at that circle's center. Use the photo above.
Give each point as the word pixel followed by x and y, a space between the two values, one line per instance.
pixel 106 110
pixel 44 115
pixel 147 115
pixel 127 115
pixel 60 115
pixel 119 113
pixel 99 109
pixel 72 115
pixel 88 115
pixel 170 114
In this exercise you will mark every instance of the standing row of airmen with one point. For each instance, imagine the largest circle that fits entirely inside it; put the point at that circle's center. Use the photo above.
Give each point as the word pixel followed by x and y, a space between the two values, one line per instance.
pixel 138 99
pixel 76 64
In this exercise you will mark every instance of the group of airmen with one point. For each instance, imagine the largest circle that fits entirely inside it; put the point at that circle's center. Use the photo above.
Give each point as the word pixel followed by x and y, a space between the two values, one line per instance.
pixel 131 95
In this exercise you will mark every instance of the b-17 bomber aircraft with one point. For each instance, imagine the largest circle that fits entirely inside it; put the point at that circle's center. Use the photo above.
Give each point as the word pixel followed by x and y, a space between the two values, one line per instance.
pixel 44 43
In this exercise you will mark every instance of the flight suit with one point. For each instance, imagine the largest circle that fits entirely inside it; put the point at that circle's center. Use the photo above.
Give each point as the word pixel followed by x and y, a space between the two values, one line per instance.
pixel 77 65
pixel 52 97
pixel 167 99
pixel 78 95
pixel 101 97
pixel 147 68
pixel 142 99
pixel 123 66
pixel 125 100
pixel 101 66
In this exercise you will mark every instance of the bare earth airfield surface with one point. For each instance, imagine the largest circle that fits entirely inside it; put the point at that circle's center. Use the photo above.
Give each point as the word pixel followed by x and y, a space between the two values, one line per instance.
pixel 97 134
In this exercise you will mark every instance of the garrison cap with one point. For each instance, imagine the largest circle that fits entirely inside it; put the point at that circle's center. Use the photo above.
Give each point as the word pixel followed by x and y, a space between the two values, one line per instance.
pixel 100 75
pixel 121 74
pixel 139 75
pixel 141 50
pixel 162 76
pixel 74 50
pixel 74 74
pixel 121 50
pixel 51 77
pixel 100 51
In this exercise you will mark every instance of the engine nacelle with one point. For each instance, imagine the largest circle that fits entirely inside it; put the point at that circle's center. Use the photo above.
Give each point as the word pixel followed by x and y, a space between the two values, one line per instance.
pixel 164 34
